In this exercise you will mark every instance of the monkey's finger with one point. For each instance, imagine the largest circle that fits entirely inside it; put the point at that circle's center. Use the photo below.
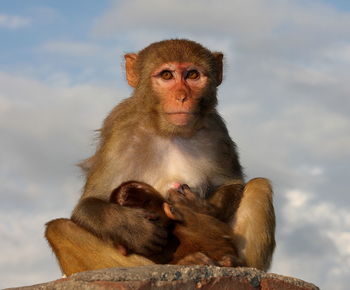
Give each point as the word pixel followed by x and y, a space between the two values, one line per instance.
pixel 187 192
pixel 181 189
pixel 184 187
pixel 175 197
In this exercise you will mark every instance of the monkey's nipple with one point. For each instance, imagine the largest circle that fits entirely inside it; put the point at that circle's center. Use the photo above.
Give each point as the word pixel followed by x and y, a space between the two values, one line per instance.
pixel 176 185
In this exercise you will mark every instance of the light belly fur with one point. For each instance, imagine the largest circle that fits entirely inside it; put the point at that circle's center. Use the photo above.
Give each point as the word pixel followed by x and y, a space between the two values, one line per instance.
pixel 180 162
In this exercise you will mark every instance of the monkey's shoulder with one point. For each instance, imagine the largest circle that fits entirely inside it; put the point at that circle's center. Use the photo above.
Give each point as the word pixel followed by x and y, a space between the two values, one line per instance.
pixel 123 114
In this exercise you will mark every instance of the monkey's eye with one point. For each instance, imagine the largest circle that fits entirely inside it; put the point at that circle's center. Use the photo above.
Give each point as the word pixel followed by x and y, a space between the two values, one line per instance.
pixel 192 74
pixel 166 75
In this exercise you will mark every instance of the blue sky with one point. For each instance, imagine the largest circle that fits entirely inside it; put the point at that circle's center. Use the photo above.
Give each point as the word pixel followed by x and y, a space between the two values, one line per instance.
pixel 285 99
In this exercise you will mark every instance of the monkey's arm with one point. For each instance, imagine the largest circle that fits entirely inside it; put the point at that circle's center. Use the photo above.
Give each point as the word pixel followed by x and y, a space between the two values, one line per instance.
pixel 225 201
pixel 127 226
pixel 130 227
pixel 222 204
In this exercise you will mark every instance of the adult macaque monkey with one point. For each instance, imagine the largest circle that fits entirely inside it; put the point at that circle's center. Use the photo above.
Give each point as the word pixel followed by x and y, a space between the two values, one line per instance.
pixel 167 132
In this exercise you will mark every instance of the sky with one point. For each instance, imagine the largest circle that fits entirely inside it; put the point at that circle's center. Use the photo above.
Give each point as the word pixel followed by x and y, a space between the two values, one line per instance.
pixel 285 99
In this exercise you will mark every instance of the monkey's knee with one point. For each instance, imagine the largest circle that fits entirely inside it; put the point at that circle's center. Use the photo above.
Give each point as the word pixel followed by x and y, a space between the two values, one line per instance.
pixel 259 186
pixel 58 233
pixel 57 225
pixel 73 246
pixel 57 229
pixel 78 250
pixel 64 235
pixel 258 200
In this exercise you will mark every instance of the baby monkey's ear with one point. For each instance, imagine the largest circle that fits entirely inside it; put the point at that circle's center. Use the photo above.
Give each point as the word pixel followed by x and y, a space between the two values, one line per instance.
pixel 172 213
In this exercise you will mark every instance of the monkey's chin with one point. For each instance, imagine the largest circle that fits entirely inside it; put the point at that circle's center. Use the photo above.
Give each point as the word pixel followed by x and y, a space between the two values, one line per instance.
pixel 180 119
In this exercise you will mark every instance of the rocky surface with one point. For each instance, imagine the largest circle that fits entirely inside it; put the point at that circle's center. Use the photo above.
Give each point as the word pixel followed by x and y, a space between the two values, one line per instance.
pixel 176 277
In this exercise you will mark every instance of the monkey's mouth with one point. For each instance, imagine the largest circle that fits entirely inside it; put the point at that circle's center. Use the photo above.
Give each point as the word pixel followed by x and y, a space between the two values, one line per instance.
pixel 180 118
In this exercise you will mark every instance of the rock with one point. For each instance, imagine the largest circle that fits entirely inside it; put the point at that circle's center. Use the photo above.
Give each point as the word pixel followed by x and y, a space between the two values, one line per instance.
pixel 176 277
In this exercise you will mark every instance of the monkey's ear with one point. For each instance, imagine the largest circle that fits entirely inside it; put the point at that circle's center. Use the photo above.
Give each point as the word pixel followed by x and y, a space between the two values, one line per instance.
pixel 119 196
pixel 219 67
pixel 172 213
pixel 131 75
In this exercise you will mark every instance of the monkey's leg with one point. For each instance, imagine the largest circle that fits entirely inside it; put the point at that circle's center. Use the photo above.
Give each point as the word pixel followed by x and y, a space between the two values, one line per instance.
pixel 254 224
pixel 78 250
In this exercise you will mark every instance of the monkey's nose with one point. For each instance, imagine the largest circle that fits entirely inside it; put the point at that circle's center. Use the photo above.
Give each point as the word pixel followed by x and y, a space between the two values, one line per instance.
pixel 181 97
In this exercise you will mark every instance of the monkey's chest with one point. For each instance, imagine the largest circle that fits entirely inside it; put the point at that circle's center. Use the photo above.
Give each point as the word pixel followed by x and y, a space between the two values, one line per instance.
pixel 180 161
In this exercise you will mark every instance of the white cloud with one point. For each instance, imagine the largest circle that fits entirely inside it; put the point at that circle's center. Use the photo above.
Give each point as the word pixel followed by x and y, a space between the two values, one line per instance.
pixel 251 24
pixel 304 75
pixel 302 207
pixel 14 21
pixel 342 240
pixel 316 171
pixel 33 100
pixel 5 104
pixel 339 52
pixel 311 170
pixel 44 131
pixel 24 249
pixel 296 198
pixel 311 126
pixel 164 15
pixel 76 62
pixel 71 48
pixel 314 240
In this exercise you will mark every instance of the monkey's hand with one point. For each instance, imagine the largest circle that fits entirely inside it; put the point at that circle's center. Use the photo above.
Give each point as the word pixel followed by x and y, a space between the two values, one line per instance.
pixel 183 195
pixel 221 205
pixel 140 232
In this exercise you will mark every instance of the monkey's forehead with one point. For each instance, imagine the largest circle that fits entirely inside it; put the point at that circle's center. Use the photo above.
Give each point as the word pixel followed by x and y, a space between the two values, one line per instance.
pixel 175 50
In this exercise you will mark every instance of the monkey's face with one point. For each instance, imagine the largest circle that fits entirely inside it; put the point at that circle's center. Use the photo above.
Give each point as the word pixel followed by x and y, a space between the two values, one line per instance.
pixel 180 88
pixel 175 81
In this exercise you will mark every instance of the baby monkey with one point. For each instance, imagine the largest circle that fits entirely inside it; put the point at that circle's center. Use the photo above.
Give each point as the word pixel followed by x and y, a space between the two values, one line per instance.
pixel 195 237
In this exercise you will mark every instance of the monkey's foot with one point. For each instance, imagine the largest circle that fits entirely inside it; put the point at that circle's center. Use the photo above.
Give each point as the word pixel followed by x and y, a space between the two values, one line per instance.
pixel 197 258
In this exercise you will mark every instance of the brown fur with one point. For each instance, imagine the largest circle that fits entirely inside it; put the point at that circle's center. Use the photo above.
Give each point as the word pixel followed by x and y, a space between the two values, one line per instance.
pixel 215 242
pixel 78 250
pixel 138 142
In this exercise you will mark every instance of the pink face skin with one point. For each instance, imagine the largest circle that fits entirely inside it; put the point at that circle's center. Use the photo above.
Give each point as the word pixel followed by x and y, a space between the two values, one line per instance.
pixel 180 87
